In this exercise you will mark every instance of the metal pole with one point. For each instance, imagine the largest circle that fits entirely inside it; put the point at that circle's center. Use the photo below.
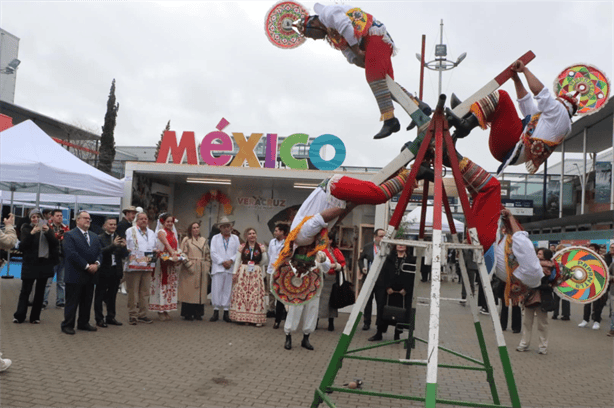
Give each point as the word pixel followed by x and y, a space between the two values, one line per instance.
pixel 38 195
pixel 561 182
pixel 440 62
pixel 8 252
pixel 422 67
pixel 584 172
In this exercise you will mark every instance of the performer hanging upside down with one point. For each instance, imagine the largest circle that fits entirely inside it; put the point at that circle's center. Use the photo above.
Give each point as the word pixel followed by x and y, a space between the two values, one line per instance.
pixel 304 246
pixel 516 260
pixel 512 140
pixel 364 41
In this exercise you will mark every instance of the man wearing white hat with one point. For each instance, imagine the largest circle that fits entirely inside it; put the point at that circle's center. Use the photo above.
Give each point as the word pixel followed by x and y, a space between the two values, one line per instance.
pixel 224 248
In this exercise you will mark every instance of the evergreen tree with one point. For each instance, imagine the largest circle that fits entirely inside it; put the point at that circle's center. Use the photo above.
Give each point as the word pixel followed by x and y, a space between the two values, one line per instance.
pixel 168 127
pixel 107 140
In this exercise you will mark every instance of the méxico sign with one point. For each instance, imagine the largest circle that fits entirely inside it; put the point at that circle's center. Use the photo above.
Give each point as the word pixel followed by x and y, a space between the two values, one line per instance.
pixel 219 141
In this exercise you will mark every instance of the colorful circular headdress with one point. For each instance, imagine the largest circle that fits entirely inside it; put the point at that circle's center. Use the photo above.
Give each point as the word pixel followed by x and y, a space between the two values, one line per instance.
pixel 279 24
pixel 588 83
pixel 293 290
pixel 586 273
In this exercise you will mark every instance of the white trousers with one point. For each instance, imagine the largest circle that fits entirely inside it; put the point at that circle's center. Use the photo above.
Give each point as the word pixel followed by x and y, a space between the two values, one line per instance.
pixel 527 327
pixel 308 312
pixel 221 290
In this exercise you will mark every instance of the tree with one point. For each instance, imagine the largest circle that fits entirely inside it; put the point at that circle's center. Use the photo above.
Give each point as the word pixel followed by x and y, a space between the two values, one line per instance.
pixel 168 127
pixel 107 141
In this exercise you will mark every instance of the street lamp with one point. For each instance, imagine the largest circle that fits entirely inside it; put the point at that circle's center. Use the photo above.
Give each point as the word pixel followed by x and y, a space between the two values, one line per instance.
pixel 441 63
pixel 11 67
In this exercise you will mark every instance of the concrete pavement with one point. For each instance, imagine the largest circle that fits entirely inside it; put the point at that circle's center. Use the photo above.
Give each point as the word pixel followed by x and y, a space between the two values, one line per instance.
pixel 204 364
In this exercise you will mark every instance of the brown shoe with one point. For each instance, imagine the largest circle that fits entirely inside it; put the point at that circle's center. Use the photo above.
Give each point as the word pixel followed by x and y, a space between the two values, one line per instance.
pixel 610 333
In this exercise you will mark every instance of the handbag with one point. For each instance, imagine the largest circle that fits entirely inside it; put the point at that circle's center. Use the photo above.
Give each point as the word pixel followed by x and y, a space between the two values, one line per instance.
pixel 342 295
pixel 395 314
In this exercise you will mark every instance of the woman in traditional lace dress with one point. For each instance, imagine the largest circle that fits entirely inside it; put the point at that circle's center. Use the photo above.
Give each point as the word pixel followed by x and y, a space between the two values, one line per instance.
pixel 247 301
pixel 163 297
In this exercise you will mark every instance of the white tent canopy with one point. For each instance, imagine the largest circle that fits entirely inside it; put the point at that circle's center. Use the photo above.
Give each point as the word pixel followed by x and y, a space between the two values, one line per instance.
pixel 413 221
pixel 29 158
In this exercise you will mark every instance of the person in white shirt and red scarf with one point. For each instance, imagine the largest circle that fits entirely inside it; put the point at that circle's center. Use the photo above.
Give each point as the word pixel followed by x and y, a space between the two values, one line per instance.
pixel 513 140
pixel 364 42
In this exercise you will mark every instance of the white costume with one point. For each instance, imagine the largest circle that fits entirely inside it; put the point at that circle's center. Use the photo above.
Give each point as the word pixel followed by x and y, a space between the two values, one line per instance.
pixel 275 247
pixel 553 124
pixel 222 249
pixel 318 201
pixel 309 312
pixel 529 270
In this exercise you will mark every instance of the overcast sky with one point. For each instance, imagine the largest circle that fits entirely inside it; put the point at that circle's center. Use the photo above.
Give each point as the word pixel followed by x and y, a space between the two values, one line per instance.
pixel 196 62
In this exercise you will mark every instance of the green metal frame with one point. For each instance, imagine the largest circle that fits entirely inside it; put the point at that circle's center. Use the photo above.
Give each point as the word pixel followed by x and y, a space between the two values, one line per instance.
pixel 342 350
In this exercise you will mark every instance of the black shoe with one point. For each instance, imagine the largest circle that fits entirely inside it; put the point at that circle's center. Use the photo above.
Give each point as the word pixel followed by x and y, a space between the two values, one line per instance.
pixel 554 318
pixel 68 330
pixel 276 325
pixel 377 337
pixel 101 323
pixel 454 101
pixel 331 324
pixel 270 314
pixel 397 335
pixel 87 327
pixel 366 326
pixel 216 316
pixel 390 126
pixel 516 331
pixel 114 322
pixel 305 343
pixel 425 173
pixel 44 306
pixel 198 317
pixel 189 318
pixel 565 318
pixel 144 319
pixel 288 345
pixel 463 125
pixel 425 108
pixel 226 317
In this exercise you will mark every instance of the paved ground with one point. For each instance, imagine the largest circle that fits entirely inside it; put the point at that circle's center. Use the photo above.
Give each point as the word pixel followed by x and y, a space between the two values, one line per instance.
pixel 203 364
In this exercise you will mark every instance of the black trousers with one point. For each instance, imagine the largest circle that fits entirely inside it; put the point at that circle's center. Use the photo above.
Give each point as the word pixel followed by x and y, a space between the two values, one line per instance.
pixel 597 307
pixel 78 296
pixel 106 291
pixel 366 316
pixel 24 295
pixel 565 308
pixel 280 312
pixel 516 317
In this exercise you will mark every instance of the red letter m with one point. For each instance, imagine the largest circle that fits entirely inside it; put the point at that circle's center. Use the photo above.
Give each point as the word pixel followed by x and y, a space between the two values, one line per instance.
pixel 178 152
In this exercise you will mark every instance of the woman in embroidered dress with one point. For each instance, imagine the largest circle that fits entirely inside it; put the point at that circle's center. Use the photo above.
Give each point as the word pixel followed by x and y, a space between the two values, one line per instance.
pixel 194 275
pixel 164 279
pixel 247 301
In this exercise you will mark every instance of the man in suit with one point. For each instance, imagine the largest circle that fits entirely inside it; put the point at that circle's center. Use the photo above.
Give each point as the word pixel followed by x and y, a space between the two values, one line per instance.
pixel 368 253
pixel 110 273
pixel 83 255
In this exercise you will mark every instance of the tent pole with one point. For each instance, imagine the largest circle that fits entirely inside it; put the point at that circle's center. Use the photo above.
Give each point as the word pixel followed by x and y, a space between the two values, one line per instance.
pixel 8 257
pixel 38 195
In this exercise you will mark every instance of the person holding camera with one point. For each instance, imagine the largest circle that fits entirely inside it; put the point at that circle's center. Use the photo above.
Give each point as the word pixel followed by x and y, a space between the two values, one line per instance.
pixel 40 254
pixel 57 226
pixel 110 273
